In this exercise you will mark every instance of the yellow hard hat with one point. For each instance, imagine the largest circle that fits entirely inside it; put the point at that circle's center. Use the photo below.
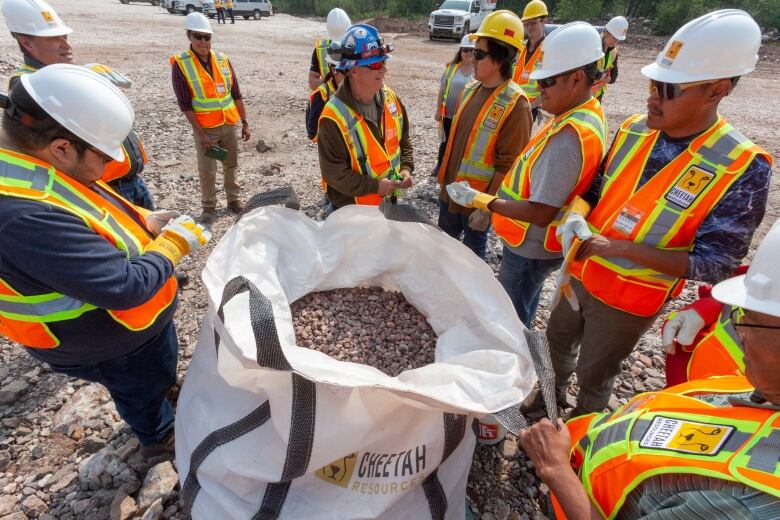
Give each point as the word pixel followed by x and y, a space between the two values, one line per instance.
pixel 504 26
pixel 534 9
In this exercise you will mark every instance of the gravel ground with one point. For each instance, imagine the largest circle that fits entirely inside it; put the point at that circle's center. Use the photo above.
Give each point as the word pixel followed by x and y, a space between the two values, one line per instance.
pixel 64 453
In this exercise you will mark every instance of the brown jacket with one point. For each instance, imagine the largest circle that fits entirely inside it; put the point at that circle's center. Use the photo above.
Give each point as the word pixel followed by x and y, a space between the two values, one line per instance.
pixel 344 184
pixel 513 135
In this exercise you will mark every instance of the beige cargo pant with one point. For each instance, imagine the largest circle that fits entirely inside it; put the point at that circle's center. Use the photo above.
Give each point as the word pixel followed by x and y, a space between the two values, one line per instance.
pixel 225 136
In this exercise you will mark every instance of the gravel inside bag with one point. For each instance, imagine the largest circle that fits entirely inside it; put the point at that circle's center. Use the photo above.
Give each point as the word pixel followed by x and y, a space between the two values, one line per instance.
pixel 367 325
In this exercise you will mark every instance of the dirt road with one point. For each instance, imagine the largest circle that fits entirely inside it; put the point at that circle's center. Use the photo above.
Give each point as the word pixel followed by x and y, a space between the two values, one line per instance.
pixel 48 436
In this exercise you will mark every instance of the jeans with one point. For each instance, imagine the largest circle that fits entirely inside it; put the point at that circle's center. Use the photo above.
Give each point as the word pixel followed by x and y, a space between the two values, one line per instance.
pixel 522 279
pixel 457 225
pixel 134 189
pixel 139 383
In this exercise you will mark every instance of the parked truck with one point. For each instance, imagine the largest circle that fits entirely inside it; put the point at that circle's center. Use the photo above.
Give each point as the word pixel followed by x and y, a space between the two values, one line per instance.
pixel 191 6
pixel 454 18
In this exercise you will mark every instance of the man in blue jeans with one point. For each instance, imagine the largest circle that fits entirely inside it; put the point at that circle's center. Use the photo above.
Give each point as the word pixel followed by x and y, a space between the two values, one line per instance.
pixel 86 279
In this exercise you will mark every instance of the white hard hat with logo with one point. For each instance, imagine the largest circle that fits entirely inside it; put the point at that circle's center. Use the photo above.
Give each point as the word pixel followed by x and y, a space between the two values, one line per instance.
pixel 34 18
pixel 85 103
pixel 337 23
pixel 718 45
pixel 197 22
pixel 568 47
pixel 617 27
pixel 759 289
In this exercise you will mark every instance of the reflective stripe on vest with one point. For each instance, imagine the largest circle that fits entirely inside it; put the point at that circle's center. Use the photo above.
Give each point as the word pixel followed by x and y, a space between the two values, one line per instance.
pixel 321 49
pixel 23 318
pixel 720 351
pixel 22 70
pixel 477 166
pixel 212 100
pixel 664 213
pixel 605 64
pixel 589 123
pixel 449 73
pixel 133 164
pixel 672 432
pixel 523 70
pixel 324 91
pixel 368 155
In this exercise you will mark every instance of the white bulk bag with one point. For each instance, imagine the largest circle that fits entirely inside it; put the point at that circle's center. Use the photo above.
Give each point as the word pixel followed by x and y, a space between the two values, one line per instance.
pixel 266 429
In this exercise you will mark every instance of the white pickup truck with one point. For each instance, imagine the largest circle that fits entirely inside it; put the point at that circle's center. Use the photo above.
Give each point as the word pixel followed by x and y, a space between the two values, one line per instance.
pixel 191 6
pixel 454 18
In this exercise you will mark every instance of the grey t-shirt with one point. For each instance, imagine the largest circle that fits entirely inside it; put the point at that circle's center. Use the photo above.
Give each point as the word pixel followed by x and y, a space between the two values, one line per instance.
pixel 553 177
pixel 459 80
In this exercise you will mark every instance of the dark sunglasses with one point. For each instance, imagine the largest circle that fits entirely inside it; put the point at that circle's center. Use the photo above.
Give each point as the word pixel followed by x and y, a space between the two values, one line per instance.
pixel 377 65
pixel 480 55
pixel 467 50
pixel 669 91
pixel 552 80
pixel 736 315
pixel 202 37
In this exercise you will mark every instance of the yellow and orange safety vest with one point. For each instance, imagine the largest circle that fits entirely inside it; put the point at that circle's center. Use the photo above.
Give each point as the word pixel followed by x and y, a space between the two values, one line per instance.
pixel 368 155
pixel 24 317
pixel 523 70
pixel 664 213
pixel 673 432
pixel 212 100
pixel 587 120
pixel 477 166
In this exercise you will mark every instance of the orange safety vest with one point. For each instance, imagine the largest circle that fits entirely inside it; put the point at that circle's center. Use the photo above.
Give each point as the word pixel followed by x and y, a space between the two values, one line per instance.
pixel 523 70
pixel 24 318
pixel 325 91
pixel 212 101
pixel 321 50
pixel 368 155
pixel 720 351
pixel 132 147
pixel 477 166
pixel 664 213
pixel 588 121
pixel 673 432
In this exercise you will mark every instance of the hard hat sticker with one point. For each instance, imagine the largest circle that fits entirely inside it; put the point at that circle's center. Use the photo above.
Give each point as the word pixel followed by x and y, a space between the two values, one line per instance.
pixel 689 187
pixel 666 433
pixel 674 49
pixel 48 17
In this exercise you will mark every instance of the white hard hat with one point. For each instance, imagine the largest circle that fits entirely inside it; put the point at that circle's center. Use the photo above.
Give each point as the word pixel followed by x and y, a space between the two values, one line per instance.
pixel 467 43
pixel 759 289
pixel 617 27
pixel 568 47
pixel 718 45
pixel 337 23
pixel 197 22
pixel 85 103
pixel 34 18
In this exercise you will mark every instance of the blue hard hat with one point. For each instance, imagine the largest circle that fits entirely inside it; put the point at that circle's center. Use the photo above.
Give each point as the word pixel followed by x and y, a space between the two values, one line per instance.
pixel 360 46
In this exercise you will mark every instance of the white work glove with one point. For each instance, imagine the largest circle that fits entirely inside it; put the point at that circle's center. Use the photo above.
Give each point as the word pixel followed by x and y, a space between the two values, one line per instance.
pixel 575 226
pixel 184 227
pixel 461 193
pixel 683 327
pixel 115 77
pixel 563 279
pixel 156 220
pixel 479 220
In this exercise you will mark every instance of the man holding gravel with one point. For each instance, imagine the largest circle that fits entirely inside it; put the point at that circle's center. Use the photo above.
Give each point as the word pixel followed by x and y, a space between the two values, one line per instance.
pixel 707 448
pixel 678 197
pixel 363 139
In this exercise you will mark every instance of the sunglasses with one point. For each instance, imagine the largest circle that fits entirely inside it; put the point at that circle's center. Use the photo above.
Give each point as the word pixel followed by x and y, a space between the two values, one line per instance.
pixel 552 80
pixel 202 37
pixel 377 65
pixel 669 91
pixel 480 55
pixel 467 50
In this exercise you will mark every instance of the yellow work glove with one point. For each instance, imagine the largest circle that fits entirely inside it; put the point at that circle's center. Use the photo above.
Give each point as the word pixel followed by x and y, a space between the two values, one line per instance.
pixel 463 194
pixel 179 238
pixel 115 77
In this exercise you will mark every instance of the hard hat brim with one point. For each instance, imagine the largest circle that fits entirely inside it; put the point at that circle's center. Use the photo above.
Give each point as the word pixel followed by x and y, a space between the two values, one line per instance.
pixel 618 38
pixel 542 73
pixel 658 73
pixel 202 31
pixel 47 33
pixel 734 292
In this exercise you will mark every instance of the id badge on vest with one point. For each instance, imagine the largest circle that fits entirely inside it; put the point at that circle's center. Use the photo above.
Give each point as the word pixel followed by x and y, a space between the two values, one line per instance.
pixel 688 187
pixel 525 74
pixel 627 220
pixel 493 116
pixel 220 89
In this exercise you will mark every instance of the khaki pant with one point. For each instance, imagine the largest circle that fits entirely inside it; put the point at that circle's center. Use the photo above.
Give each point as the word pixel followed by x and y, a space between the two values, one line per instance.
pixel 226 137
pixel 593 341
